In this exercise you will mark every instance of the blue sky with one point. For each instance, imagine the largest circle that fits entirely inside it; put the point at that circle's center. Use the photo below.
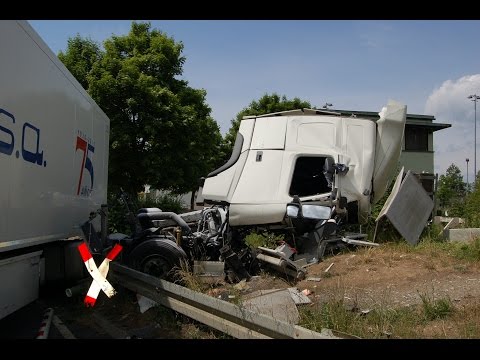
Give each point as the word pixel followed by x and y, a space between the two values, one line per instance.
pixel 431 66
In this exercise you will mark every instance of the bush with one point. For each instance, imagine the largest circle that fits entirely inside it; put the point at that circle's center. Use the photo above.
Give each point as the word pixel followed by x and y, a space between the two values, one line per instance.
pixel 268 240
pixel 165 202
pixel 472 204
pixel 117 211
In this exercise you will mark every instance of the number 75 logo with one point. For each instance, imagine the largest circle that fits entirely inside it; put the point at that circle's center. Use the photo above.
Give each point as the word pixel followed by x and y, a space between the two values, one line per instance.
pixel 86 162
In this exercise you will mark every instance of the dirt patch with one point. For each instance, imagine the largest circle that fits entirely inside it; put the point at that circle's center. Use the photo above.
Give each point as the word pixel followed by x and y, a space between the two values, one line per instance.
pixel 379 276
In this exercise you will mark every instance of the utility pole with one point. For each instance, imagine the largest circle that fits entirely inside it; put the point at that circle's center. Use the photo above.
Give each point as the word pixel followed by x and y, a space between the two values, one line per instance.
pixel 474 98
pixel 468 187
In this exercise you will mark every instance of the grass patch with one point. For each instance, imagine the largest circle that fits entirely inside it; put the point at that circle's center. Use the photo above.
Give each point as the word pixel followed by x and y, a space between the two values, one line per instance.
pixel 435 248
pixel 377 324
pixel 436 308
pixel 467 251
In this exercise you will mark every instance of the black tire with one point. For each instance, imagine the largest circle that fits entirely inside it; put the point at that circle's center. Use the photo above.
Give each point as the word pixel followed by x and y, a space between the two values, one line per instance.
pixel 159 257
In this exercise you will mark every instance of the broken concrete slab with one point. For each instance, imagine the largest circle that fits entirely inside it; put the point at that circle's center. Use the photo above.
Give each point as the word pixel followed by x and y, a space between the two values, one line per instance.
pixel 277 304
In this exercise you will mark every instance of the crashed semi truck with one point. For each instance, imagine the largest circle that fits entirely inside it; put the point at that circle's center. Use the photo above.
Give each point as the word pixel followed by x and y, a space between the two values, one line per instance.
pixel 301 174
pixel 306 173
pixel 53 166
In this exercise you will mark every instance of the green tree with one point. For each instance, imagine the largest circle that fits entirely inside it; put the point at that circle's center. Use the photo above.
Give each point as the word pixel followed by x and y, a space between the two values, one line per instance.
pixel 472 204
pixel 79 58
pixel 451 191
pixel 161 131
pixel 266 104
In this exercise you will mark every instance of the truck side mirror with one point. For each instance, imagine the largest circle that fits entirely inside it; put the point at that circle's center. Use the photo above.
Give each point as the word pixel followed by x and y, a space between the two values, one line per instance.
pixel 316 212
pixel 293 210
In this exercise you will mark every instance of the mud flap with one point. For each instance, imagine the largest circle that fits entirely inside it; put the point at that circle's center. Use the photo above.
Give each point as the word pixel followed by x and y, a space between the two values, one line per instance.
pixel 408 207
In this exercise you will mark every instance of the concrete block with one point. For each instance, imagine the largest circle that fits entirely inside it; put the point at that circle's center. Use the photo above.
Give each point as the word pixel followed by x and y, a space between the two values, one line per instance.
pixel 437 220
pixel 462 235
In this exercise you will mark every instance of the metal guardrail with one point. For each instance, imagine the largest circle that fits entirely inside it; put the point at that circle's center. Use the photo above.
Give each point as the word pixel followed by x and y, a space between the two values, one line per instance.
pixel 221 315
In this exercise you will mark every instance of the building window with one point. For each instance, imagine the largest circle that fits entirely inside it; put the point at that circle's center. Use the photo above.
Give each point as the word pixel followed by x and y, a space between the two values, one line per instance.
pixel 309 177
pixel 416 138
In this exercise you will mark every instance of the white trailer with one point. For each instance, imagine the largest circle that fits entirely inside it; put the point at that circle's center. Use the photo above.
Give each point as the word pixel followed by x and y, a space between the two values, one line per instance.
pixel 53 165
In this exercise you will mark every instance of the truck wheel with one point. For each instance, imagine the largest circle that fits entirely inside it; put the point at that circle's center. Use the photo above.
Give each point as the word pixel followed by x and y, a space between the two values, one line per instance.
pixel 161 258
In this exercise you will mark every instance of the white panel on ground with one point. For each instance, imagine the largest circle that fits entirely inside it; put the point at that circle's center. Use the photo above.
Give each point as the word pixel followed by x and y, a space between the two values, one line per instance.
pixel 408 208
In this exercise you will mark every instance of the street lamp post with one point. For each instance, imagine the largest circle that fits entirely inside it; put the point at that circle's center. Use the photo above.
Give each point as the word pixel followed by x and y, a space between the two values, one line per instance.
pixel 467 160
pixel 474 98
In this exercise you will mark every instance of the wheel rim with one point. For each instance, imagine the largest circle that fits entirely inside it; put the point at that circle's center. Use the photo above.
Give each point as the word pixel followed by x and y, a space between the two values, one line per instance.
pixel 157 266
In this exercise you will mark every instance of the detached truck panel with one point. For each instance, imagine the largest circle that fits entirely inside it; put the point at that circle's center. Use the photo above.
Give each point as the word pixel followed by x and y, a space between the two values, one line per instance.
pixel 53 146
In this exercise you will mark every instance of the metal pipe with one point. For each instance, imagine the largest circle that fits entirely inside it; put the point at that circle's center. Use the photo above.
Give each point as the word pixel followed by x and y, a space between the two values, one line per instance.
pixel 81 287
pixel 163 215
pixel 178 235
pixel 272 260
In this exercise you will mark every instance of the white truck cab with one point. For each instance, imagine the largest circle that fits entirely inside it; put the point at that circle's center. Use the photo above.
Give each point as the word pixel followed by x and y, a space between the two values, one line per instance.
pixel 313 154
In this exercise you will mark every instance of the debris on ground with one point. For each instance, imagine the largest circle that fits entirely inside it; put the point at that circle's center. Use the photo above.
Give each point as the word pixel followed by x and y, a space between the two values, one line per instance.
pixel 278 261
pixel 329 267
pixel 298 297
pixel 242 285
pixel 307 292
pixel 145 303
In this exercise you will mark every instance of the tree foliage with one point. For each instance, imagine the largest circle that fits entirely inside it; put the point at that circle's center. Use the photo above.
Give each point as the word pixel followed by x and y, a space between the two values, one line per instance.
pixel 265 105
pixel 79 58
pixel 472 204
pixel 161 131
pixel 451 191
